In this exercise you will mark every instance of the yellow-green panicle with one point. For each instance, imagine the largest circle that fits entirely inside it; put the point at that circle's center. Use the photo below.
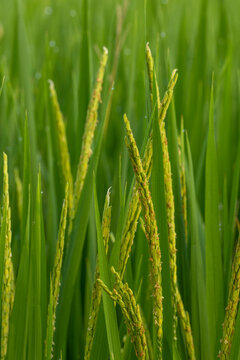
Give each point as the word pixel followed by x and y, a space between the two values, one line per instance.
pixel 123 295
pixel 170 208
pixel 162 110
pixel 169 193
pixel 88 135
pixel 60 247
pixel 134 211
pixel 151 231
pixel 185 323
pixel 152 78
pixel 135 206
pixel 8 287
pixel 231 309
pixel 62 141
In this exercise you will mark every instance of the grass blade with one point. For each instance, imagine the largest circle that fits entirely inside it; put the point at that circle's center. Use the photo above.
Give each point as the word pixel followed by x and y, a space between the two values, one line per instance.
pixel 214 267
pixel 63 145
pixel 84 91
pixel 199 318
pixel 109 310
pixel 20 313
pixel 35 299
pixel 96 292
pixel 55 281
pixel 74 251
pixel 89 130
pixel 26 178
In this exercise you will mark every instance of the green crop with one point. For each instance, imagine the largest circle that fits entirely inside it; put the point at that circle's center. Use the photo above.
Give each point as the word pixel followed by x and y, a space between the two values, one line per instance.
pixel 119 179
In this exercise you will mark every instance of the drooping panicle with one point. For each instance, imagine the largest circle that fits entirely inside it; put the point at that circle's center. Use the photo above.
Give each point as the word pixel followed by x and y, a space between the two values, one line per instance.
pixel 162 111
pixel 134 209
pixel 90 126
pixel 124 296
pixel 185 323
pixel 151 231
pixel 63 144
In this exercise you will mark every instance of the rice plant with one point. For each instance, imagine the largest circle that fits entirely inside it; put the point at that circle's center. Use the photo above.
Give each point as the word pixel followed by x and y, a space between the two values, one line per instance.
pixel 120 169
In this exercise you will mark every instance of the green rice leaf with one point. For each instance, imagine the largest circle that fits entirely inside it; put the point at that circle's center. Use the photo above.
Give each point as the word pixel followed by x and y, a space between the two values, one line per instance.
pixel 198 315
pixel 74 251
pixel 35 290
pixel 109 310
pixel 25 73
pixel 17 347
pixel 214 266
pixel 50 326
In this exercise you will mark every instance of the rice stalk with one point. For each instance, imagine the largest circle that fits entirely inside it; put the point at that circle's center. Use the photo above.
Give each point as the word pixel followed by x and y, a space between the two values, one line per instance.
pixel 90 126
pixel 148 337
pixel 167 175
pixel 183 316
pixel 60 248
pixel 185 322
pixel 63 144
pixel 232 306
pixel 8 286
pixel 134 209
pixel 96 291
pixel 151 231
pixel 123 295
pixel 55 280
pixel 176 298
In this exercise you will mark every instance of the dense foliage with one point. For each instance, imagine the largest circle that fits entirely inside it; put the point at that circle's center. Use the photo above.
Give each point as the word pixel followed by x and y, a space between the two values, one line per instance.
pixel 119 233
